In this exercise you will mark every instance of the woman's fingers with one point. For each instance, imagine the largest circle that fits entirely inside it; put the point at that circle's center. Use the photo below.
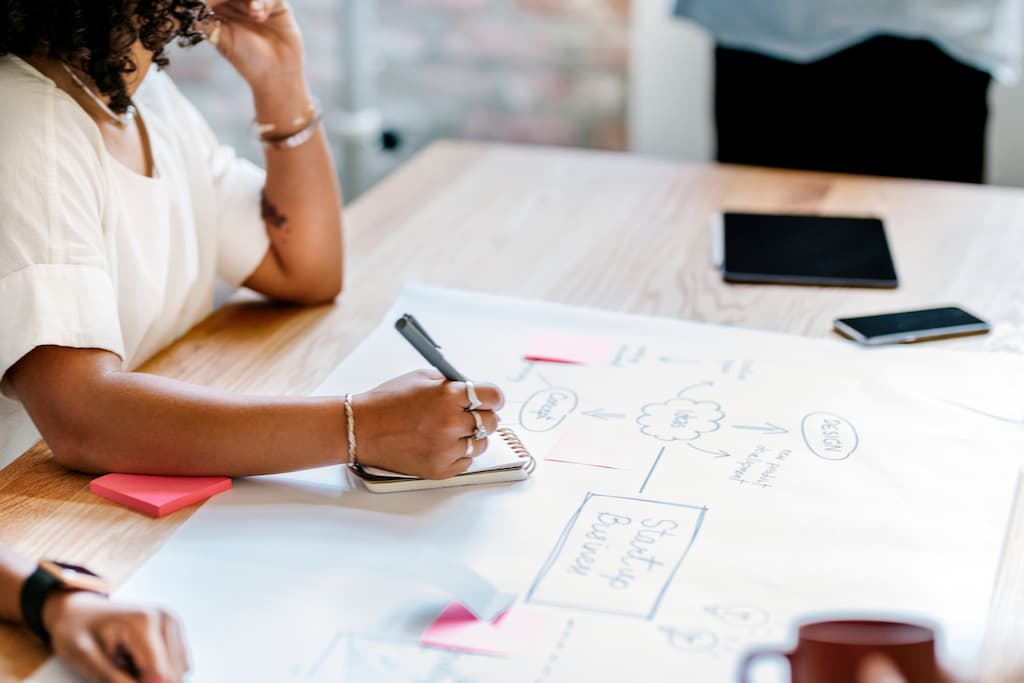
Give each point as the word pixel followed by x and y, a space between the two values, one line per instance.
pixel 480 446
pixel 124 642
pixel 458 467
pixel 489 395
pixel 144 641
pixel 456 459
pixel 419 424
pixel 877 668
pixel 86 657
pixel 254 11
pixel 175 640
pixel 488 419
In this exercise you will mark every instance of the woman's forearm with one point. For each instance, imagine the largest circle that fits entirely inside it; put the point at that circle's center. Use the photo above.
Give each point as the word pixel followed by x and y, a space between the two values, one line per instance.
pixel 301 200
pixel 14 569
pixel 133 422
pixel 98 418
pixel 164 426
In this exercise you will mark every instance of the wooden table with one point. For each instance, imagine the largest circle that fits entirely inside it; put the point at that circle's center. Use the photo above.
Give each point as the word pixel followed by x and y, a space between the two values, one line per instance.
pixel 594 229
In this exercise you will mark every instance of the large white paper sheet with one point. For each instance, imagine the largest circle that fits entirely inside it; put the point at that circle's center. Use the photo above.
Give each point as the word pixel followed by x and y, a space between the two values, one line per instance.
pixel 693 497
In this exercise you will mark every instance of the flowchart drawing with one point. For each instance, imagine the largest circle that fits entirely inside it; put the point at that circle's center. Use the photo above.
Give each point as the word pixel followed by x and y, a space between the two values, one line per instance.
pixel 680 419
pixel 617 555
pixel 829 436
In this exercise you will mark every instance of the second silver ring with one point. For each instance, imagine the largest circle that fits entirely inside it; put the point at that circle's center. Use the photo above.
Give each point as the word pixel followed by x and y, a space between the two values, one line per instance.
pixel 469 447
pixel 481 430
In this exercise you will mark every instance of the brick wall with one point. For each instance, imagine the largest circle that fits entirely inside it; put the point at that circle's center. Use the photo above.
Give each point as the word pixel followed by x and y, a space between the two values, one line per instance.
pixel 537 71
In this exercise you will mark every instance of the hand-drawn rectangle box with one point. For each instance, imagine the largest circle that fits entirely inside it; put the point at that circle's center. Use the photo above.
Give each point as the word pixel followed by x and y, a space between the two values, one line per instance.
pixel 617 555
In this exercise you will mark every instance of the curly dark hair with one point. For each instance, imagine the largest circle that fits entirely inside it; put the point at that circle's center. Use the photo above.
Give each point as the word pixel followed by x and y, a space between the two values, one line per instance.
pixel 95 36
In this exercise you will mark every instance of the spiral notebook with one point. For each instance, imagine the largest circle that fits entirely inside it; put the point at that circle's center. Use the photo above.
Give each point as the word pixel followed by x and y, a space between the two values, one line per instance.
pixel 506 459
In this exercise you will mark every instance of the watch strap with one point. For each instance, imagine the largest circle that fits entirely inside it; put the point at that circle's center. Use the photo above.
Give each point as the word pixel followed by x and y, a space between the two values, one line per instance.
pixel 34 591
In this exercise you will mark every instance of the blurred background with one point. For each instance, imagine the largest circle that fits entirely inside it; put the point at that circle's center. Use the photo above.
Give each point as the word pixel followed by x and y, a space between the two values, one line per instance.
pixel 623 75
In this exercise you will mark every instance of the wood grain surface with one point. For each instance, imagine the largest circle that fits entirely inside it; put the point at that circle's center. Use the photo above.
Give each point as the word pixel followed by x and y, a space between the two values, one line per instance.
pixel 595 229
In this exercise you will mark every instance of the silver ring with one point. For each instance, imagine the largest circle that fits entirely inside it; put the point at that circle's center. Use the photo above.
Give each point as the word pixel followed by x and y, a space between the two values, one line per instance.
pixel 469 447
pixel 481 431
pixel 474 402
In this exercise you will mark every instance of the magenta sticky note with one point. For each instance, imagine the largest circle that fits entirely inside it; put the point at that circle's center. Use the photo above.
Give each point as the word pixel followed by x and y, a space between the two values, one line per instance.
pixel 554 347
pixel 514 631
pixel 157 496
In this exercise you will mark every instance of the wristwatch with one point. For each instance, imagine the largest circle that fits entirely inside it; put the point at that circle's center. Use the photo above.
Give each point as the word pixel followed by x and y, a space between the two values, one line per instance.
pixel 49 576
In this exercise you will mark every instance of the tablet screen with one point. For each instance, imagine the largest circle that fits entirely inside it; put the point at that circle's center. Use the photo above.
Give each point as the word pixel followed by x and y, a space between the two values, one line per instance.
pixel 807 250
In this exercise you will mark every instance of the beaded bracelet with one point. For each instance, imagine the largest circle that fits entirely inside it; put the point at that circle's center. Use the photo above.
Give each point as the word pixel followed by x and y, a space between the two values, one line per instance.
pixel 351 419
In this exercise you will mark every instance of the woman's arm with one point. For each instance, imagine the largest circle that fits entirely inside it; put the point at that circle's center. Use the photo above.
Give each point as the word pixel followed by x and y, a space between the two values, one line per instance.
pixel 93 635
pixel 14 569
pixel 301 200
pixel 98 418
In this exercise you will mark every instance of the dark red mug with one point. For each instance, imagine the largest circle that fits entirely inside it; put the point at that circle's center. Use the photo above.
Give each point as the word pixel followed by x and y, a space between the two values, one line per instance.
pixel 832 651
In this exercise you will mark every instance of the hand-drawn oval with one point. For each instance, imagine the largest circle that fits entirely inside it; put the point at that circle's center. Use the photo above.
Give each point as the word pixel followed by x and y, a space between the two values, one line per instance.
pixel 545 409
pixel 690 640
pixel 829 436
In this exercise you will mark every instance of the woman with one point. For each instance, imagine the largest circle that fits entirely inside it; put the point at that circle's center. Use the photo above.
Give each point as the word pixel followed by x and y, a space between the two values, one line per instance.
pixel 117 211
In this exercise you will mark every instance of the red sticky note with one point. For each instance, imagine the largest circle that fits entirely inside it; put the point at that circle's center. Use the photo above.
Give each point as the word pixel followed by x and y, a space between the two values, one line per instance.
pixel 157 496
pixel 553 347
pixel 514 631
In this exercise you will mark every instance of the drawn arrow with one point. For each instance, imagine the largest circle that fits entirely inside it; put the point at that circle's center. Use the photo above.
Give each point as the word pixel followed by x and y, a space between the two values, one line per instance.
pixel 698 385
pixel 528 366
pixel 717 454
pixel 767 428
pixel 600 414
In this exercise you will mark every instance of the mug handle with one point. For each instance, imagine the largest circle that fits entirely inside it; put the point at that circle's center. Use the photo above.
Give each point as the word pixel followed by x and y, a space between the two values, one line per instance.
pixel 752 657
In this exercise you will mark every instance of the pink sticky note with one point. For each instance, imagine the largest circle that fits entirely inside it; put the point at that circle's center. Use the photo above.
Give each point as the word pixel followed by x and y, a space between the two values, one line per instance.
pixel 597 449
pixel 157 496
pixel 514 631
pixel 552 347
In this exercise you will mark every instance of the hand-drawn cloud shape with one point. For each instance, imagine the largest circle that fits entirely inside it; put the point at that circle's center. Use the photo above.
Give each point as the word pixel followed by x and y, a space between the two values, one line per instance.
pixel 680 419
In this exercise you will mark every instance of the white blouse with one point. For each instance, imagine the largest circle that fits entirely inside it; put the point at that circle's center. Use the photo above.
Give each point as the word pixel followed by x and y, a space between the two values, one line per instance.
pixel 93 255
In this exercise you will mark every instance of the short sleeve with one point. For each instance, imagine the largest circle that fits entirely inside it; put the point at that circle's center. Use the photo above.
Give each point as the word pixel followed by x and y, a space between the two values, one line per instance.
pixel 233 196
pixel 242 239
pixel 55 285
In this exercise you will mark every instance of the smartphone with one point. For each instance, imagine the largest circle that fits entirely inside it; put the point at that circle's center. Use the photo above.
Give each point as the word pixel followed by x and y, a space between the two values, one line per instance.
pixel 911 326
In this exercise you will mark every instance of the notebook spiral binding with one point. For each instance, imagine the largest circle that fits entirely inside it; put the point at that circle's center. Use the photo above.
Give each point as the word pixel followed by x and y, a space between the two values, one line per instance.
pixel 514 443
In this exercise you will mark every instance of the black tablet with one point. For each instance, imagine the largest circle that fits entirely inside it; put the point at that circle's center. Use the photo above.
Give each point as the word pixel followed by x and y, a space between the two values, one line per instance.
pixel 806 250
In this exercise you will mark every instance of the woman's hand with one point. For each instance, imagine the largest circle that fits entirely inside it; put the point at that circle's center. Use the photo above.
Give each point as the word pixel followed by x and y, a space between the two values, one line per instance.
pixel 260 38
pixel 106 641
pixel 418 424
pixel 877 668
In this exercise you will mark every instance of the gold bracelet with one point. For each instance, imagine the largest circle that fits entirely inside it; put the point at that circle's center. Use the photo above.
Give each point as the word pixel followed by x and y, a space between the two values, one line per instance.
pixel 293 140
pixel 312 112
pixel 309 121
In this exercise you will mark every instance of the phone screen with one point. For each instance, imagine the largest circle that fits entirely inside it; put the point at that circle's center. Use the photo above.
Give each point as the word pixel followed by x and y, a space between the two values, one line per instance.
pixel 912 325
